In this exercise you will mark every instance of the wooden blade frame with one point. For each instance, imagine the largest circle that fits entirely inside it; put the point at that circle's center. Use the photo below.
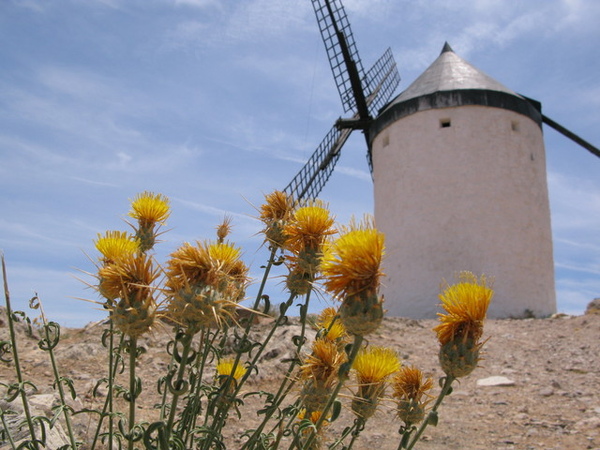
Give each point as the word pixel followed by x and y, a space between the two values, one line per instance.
pixel 379 82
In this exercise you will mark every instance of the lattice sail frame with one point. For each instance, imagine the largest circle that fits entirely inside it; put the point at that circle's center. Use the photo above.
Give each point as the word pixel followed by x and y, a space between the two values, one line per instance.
pixel 376 87
pixel 329 27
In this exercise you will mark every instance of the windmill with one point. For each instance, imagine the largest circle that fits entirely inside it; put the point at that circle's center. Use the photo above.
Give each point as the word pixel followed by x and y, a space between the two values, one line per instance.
pixel 408 154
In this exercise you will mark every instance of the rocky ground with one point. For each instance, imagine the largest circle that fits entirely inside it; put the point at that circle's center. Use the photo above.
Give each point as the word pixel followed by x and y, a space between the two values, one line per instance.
pixel 537 388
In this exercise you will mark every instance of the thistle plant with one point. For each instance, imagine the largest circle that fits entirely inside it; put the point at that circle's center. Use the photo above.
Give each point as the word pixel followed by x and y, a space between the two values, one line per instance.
pixel 219 337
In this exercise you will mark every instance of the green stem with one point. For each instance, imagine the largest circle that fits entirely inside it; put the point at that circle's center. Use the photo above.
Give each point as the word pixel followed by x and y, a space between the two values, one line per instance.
pixel 15 352
pixel 284 388
pixel 187 343
pixel 58 379
pixel 448 380
pixel 108 403
pixel 132 389
pixel 357 427
pixel 219 417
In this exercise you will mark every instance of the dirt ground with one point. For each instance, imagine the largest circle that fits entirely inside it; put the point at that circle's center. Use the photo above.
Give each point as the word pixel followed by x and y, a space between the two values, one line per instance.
pixel 549 397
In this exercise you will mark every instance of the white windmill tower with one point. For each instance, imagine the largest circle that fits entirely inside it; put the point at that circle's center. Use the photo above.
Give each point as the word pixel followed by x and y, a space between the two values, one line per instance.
pixel 458 164
pixel 460 184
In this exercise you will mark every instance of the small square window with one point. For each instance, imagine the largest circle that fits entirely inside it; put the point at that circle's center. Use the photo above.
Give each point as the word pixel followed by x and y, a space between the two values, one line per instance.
pixel 445 123
pixel 386 140
pixel 514 125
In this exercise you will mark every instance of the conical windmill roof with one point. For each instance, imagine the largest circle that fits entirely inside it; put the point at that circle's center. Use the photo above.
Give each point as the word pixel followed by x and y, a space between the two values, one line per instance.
pixel 449 72
pixel 451 81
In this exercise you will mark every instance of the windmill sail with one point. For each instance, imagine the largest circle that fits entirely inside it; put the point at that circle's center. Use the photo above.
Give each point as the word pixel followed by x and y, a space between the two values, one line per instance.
pixel 341 48
pixel 361 93
pixel 309 181
pixel 562 130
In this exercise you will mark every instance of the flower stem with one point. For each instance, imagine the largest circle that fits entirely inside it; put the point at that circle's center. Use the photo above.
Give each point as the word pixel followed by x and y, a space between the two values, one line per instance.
pixel 59 380
pixel 132 389
pixel 187 343
pixel 448 380
pixel 13 340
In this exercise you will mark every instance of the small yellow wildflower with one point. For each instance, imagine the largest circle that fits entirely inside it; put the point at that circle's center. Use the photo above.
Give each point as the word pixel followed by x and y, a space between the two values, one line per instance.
pixel 373 366
pixel 460 330
pixel 225 368
pixel 127 284
pixel 305 233
pixel 351 269
pixel 331 324
pixel 320 373
pixel 352 263
pixel 412 394
pixel 149 210
pixel 113 245
pixel 275 213
pixel 204 284
pixel 313 417
pixel 228 377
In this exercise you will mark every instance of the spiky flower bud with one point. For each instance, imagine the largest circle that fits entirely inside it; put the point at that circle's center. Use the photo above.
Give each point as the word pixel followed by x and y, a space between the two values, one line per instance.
pixel 411 391
pixel 460 330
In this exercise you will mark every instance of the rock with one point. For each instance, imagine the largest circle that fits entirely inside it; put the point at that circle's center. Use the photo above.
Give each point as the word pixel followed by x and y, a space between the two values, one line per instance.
pixel 39 405
pixel 593 307
pixel 495 381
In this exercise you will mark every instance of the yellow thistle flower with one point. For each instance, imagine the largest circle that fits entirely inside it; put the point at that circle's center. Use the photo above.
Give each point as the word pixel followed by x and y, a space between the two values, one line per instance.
pixel 149 210
pixel 320 373
pixel 313 417
pixel 305 233
pixel 466 304
pixel 114 245
pixel 351 269
pixel 223 229
pixel 130 276
pixel 225 368
pixel 352 263
pixel 129 280
pixel 331 324
pixel 412 394
pixel 204 284
pixel 228 377
pixel 275 213
pixel 373 366
pixel 460 330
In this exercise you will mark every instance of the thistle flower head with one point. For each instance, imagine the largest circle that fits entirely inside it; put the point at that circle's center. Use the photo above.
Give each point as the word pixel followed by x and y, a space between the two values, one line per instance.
pixel 351 263
pixel 306 232
pixel 204 284
pixel 275 213
pixel 411 391
pixel 320 373
pixel 225 368
pixel 466 304
pixel 373 366
pixel 223 229
pixel 313 417
pixel 331 324
pixel 114 245
pixel 323 363
pixel 150 210
pixel 127 285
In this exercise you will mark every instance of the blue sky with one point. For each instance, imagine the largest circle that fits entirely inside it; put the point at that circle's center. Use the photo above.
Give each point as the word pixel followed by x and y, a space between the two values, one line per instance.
pixel 216 103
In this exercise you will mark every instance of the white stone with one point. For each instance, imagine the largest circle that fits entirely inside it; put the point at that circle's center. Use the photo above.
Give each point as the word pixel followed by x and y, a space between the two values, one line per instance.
pixel 495 381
